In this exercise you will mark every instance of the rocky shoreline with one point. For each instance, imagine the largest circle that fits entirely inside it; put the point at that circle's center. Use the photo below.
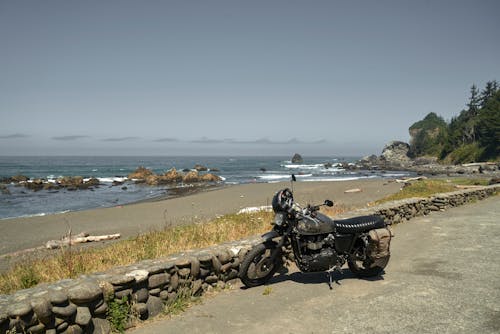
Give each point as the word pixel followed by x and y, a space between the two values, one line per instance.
pixel 147 176
pixel 395 157
pixel 141 175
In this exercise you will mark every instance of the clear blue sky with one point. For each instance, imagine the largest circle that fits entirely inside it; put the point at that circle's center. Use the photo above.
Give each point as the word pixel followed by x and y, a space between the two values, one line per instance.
pixel 235 77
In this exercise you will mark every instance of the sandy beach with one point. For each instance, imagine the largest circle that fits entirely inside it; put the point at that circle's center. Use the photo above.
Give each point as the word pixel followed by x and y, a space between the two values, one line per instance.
pixel 130 220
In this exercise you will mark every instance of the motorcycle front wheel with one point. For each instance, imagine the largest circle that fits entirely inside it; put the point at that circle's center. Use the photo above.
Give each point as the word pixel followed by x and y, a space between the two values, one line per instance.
pixel 257 266
pixel 362 266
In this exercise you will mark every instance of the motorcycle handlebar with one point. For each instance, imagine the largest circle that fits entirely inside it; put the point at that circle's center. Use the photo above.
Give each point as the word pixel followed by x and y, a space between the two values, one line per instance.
pixel 308 210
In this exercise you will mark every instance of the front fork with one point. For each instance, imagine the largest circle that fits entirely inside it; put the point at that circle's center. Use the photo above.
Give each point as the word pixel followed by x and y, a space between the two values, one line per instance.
pixel 277 251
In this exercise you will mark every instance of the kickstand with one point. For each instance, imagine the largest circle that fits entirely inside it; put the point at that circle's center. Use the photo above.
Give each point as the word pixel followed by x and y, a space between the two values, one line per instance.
pixel 329 273
pixel 330 279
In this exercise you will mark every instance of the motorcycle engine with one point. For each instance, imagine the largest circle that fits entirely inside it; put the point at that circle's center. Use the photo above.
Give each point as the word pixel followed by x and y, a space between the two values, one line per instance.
pixel 318 252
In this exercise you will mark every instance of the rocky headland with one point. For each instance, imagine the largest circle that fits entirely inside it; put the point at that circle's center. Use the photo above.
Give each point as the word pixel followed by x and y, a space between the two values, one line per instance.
pixel 396 156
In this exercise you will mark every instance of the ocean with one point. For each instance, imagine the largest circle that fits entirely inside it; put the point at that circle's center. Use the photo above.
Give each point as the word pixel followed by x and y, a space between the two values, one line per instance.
pixel 19 201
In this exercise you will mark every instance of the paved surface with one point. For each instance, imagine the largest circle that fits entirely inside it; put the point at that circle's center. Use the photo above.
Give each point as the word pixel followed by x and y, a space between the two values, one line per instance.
pixel 443 277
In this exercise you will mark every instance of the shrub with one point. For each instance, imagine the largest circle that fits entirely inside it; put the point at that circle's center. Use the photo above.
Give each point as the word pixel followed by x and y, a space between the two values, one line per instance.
pixel 118 314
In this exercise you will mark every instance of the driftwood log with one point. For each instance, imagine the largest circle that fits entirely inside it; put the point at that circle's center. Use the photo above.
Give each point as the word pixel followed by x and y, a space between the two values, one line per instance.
pixel 459 186
pixel 78 239
pixel 418 178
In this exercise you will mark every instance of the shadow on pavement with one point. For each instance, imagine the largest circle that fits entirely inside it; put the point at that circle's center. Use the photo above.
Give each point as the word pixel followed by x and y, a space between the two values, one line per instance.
pixel 317 277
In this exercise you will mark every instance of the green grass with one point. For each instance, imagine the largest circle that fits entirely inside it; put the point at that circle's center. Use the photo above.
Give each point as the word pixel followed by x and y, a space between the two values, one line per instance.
pixel 420 188
pixel 118 314
pixel 468 181
pixel 181 302
pixel 267 291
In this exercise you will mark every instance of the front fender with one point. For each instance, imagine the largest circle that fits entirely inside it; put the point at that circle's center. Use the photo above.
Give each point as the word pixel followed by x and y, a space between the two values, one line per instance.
pixel 269 236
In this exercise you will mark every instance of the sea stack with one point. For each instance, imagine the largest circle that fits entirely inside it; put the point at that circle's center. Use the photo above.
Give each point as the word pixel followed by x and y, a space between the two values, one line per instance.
pixel 297 159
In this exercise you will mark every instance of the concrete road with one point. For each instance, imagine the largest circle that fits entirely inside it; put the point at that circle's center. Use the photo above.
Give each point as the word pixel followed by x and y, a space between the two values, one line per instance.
pixel 443 277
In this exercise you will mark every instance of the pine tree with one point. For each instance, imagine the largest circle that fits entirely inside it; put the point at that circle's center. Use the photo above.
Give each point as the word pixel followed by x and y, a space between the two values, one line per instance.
pixel 474 101
pixel 489 127
pixel 487 93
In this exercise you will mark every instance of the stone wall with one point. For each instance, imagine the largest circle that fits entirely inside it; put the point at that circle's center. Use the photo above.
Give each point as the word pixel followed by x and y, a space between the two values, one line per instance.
pixel 82 305
pixel 399 211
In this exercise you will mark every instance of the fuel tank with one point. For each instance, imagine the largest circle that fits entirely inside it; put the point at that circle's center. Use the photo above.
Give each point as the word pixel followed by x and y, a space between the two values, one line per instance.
pixel 319 224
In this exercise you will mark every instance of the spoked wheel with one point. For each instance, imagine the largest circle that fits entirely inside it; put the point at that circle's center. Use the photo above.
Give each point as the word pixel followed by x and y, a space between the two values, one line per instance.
pixel 363 266
pixel 257 267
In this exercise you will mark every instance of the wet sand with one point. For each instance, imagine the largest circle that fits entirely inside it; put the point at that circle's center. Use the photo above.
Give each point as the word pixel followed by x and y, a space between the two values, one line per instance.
pixel 19 234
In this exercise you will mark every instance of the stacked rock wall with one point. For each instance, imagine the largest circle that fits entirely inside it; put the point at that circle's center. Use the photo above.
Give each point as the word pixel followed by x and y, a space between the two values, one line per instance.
pixel 398 211
pixel 84 305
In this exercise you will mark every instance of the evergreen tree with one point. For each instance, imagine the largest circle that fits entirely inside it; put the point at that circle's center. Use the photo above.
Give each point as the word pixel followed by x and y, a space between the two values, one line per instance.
pixel 474 101
pixel 489 127
pixel 488 92
pixel 428 136
pixel 473 135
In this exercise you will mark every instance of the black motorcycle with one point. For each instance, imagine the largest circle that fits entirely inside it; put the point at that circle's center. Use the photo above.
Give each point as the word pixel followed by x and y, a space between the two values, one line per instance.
pixel 318 243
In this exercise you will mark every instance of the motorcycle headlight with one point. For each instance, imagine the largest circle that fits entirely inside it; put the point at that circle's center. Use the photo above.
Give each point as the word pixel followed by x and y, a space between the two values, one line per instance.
pixel 279 219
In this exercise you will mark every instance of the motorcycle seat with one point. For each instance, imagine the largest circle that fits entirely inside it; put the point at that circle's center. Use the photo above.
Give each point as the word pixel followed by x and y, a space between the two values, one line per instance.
pixel 359 224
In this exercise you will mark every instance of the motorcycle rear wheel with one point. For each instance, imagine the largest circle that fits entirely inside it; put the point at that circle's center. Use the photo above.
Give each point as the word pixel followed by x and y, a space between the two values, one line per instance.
pixel 362 266
pixel 257 267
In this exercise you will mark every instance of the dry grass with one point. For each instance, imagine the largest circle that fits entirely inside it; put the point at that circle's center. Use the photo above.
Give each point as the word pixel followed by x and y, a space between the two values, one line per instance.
pixel 70 263
pixel 335 210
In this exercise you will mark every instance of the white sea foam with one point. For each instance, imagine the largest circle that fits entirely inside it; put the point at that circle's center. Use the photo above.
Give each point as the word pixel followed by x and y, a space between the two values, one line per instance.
pixel 271 177
pixel 299 166
pixel 331 179
pixel 41 214
pixel 112 179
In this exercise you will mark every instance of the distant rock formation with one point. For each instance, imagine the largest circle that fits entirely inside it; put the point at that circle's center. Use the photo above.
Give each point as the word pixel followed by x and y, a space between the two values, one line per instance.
pixel 191 177
pixel 396 153
pixel 172 176
pixel 66 182
pixel 396 156
pixel 144 175
pixel 200 168
pixel 141 173
pixel 297 159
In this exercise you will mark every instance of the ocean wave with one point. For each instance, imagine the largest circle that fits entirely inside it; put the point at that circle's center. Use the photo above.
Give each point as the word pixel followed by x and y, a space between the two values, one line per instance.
pixel 299 166
pixel 273 177
pixel 320 168
pixel 282 176
pixel 41 214
pixel 112 179
pixel 331 179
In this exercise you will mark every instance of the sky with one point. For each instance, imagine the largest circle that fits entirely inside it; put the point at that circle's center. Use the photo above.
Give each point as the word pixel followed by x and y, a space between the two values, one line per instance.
pixel 339 78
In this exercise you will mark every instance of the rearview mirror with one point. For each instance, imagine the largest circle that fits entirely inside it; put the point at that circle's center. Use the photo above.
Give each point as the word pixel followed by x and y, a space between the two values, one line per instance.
pixel 328 202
